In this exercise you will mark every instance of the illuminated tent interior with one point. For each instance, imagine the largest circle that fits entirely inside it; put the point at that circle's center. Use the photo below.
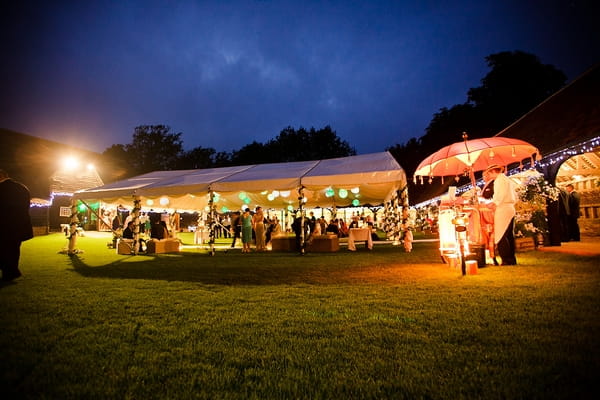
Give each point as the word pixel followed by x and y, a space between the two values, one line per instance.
pixel 368 179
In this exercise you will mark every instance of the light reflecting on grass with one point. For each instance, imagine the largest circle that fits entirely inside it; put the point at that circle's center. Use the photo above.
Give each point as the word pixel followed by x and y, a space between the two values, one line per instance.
pixel 378 324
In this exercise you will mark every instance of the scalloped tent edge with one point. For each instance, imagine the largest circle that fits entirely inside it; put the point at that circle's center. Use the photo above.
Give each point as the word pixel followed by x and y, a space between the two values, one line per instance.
pixel 368 178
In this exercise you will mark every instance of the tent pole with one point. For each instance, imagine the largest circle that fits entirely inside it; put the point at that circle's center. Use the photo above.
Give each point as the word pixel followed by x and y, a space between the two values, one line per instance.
pixel 73 229
pixel 211 222
pixel 301 209
pixel 136 226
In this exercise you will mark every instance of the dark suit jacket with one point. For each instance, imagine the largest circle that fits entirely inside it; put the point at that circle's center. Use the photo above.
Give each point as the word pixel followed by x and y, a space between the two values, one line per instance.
pixel 488 190
pixel 14 206
pixel 574 201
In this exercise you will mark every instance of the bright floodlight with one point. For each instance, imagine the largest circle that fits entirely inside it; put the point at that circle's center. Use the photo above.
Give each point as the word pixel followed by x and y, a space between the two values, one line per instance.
pixel 91 167
pixel 70 163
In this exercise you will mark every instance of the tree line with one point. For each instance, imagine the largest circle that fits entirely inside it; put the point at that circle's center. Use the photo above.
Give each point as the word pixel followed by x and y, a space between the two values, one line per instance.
pixel 155 147
pixel 517 82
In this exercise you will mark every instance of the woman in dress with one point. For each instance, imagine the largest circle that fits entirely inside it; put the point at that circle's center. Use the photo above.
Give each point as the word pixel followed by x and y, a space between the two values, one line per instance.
pixel 246 231
pixel 258 221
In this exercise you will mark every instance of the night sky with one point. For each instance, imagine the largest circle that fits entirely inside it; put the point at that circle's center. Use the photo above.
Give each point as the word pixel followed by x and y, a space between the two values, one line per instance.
pixel 225 73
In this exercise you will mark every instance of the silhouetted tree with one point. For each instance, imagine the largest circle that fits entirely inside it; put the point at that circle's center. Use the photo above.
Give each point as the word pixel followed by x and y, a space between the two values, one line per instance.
pixel 303 145
pixel 408 154
pixel 517 82
pixel 116 155
pixel 447 126
pixel 222 159
pixel 198 157
pixel 294 145
pixel 152 148
pixel 253 153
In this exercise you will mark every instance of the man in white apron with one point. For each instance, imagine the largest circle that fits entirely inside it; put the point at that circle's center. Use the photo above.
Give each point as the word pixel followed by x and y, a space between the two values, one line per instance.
pixel 504 198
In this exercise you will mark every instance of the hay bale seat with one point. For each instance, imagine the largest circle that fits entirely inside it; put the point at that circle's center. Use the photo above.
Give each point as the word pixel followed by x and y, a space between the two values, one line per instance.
pixel 155 246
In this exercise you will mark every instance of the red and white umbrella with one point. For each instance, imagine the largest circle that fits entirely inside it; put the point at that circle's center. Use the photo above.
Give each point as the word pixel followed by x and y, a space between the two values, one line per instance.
pixel 474 155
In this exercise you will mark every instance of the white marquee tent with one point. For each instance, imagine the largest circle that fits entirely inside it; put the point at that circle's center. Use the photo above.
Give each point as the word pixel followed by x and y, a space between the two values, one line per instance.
pixel 356 180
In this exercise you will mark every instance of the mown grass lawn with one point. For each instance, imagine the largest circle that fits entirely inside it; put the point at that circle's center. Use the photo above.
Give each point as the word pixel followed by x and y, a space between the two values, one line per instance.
pixel 379 324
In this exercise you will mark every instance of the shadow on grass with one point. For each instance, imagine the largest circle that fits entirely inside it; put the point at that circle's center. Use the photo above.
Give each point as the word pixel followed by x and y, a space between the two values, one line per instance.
pixel 271 268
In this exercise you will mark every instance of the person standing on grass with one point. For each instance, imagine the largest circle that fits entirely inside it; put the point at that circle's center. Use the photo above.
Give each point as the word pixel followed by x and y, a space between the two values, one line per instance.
pixel 236 227
pixel 246 231
pixel 504 198
pixel 14 203
pixel 574 201
pixel 258 222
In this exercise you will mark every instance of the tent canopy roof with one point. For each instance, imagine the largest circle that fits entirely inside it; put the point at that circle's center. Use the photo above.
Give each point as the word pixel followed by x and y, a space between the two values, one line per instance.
pixel 368 178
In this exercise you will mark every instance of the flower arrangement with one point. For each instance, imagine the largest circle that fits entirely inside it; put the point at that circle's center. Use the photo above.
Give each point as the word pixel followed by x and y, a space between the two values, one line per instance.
pixel 533 195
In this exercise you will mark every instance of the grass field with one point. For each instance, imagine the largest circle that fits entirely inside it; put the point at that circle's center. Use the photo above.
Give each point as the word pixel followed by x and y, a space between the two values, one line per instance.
pixel 378 324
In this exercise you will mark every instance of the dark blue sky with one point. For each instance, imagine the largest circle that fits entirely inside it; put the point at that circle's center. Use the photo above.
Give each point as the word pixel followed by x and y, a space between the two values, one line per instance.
pixel 225 73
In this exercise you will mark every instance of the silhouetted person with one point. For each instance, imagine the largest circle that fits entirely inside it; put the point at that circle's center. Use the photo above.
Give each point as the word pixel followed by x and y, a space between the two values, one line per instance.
pixel 563 214
pixel 16 224
pixel 159 230
pixel 297 227
pixel 574 201
pixel 236 227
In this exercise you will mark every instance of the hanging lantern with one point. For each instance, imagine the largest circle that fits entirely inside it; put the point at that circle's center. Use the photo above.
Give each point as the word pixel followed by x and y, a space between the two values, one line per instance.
pixel 242 195
pixel 285 193
pixel 224 209
pixel 329 192
pixel 270 197
pixel 149 202
pixel 355 190
pixel 343 193
pixel 355 202
pixel 164 201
